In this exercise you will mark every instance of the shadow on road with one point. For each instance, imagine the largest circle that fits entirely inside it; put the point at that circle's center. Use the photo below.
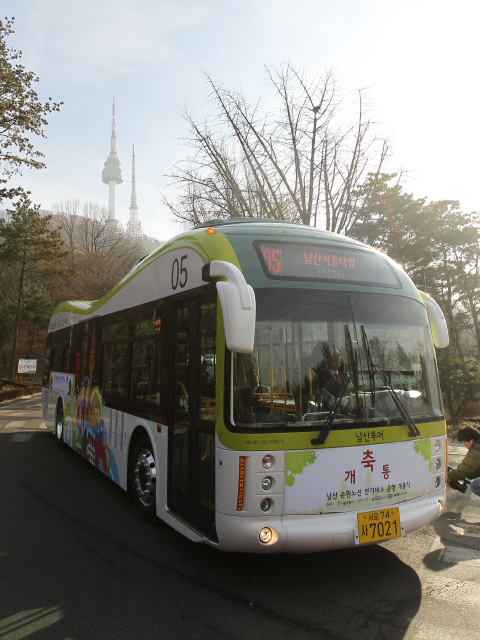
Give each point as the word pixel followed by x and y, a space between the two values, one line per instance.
pixel 77 562
pixel 454 530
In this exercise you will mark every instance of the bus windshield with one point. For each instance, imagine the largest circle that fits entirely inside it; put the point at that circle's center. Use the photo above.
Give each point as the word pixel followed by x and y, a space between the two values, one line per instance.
pixel 313 348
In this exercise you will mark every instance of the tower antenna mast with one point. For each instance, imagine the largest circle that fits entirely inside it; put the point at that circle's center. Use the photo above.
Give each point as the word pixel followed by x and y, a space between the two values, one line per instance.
pixel 134 227
pixel 112 173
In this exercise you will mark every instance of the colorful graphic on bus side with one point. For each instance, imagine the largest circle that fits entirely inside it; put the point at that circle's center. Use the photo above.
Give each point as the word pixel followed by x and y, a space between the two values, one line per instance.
pixel 85 429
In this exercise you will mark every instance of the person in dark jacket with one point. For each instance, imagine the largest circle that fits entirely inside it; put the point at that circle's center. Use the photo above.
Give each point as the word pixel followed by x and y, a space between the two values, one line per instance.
pixel 469 467
pixel 330 374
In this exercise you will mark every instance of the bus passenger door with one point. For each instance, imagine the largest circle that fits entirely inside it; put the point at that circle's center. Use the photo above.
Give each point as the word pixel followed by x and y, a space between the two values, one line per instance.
pixel 192 413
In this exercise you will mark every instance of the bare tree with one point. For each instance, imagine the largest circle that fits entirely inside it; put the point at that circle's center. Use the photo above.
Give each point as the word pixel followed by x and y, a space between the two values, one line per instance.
pixel 296 161
pixel 100 249
pixel 66 213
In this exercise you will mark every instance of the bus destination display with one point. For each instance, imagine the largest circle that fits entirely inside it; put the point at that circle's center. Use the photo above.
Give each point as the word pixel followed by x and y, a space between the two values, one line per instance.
pixel 300 261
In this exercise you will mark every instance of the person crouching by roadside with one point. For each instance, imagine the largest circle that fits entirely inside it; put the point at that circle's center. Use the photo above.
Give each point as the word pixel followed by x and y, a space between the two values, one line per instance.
pixel 469 467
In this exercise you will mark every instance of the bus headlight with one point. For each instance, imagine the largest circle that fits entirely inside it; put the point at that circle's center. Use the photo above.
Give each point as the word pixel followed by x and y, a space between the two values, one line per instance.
pixel 437 482
pixel 266 504
pixel 267 461
pixel 438 464
pixel 267 483
pixel 438 445
pixel 268 535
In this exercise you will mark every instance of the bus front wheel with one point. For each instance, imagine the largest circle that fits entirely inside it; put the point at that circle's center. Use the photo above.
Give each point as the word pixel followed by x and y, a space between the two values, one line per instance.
pixel 143 478
pixel 59 424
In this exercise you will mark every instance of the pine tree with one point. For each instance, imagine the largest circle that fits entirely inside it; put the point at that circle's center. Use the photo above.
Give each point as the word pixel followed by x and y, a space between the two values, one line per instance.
pixel 30 255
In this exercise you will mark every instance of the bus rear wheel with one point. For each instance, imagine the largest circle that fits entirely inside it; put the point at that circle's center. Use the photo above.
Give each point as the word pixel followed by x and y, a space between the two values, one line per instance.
pixel 143 478
pixel 59 425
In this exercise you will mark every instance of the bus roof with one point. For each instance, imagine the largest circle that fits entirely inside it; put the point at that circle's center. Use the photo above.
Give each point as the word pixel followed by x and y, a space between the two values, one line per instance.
pixel 234 240
pixel 269 226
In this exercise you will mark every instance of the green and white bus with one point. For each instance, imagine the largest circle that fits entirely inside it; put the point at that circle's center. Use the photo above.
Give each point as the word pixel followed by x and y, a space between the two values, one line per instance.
pixel 260 386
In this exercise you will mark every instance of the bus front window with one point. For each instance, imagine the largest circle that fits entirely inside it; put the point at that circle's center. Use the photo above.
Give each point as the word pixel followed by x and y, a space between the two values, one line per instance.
pixel 310 356
pixel 402 357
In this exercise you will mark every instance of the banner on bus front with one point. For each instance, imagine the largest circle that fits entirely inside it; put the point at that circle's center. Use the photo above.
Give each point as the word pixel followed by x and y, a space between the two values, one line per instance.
pixel 362 477
pixel 27 366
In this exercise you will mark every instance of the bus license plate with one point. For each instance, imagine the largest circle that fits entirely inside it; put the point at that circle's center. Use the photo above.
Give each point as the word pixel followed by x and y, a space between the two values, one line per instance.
pixel 379 525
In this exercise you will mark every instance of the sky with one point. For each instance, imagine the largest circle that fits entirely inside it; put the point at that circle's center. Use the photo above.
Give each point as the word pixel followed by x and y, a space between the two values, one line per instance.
pixel 418 59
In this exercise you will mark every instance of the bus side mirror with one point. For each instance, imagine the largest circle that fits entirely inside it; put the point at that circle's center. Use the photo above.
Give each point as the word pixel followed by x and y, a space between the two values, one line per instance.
pixel 438 324
pixel 238 304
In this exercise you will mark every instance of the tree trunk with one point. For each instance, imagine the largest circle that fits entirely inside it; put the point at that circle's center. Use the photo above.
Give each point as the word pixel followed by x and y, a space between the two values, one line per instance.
pixel 17 322
pixel 476 323
pixel 451 410
pixel 454 334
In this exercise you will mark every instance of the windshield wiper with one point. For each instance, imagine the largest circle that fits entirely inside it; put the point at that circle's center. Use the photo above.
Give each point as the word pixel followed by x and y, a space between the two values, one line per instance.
pixel 353 360
pixel 371 374
pixel 374 368
pixel 322 436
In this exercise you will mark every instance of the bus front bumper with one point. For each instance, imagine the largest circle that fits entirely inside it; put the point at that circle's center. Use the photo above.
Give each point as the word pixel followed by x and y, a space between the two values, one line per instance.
pixel 312 533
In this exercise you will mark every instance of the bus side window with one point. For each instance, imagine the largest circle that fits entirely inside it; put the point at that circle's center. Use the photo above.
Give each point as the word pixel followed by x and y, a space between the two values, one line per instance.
pixel 114 371
pixel 208 360
pixel 94 349
pixel 143 382
pixel 83 353
pixel 75 355
pixel 47 361
pixel 146 381
pixel 58 346
pixel 67 353
pixel 160 364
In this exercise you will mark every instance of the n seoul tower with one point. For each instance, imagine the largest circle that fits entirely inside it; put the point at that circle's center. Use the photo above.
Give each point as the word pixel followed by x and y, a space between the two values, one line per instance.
pixel 112 173
pixel 134 227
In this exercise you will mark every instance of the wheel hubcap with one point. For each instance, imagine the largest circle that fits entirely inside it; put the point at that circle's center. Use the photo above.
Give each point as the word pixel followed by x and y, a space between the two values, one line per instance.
pixel 60 425
pixel 145 478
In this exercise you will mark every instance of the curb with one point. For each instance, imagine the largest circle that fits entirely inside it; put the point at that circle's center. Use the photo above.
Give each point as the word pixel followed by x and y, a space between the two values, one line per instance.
pixel 4 402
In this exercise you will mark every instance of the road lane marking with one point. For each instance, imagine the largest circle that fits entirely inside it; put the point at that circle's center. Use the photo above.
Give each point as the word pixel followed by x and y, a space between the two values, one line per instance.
pixel 29 622
pixel 14 425
pixel 21 414
pixel 25 426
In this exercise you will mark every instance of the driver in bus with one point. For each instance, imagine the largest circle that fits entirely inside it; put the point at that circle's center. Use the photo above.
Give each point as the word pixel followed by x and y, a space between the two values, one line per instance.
pixel 330 373
pixel 251 403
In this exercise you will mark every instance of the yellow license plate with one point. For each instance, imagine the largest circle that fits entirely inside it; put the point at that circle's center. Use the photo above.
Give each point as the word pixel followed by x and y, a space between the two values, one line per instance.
pixel 379 525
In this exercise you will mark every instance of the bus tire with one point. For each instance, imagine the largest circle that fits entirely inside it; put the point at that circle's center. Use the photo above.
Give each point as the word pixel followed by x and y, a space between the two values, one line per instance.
pixel 143 478
pixel 59 426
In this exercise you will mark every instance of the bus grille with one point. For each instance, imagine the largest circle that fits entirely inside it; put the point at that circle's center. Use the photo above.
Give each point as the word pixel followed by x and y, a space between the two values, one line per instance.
pixel 45 394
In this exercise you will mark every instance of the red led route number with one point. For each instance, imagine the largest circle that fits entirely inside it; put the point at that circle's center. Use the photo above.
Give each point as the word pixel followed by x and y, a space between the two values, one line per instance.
pixel 273 260
pixel 300 261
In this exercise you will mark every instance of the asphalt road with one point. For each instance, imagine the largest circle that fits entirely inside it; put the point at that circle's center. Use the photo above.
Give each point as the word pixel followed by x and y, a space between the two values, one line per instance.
pixel 77 562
